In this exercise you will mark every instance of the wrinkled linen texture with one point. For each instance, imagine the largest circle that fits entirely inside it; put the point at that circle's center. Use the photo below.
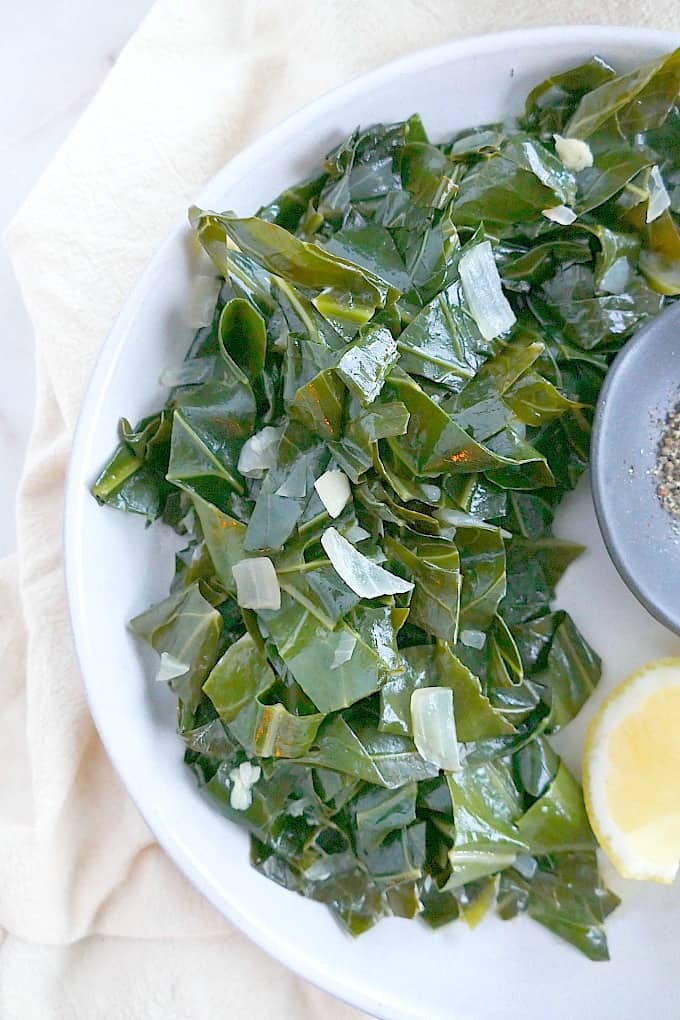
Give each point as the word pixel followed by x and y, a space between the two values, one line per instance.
pixel 96 922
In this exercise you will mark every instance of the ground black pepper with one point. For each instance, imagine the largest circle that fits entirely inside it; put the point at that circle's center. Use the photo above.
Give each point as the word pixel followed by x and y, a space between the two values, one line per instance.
pixel 668 465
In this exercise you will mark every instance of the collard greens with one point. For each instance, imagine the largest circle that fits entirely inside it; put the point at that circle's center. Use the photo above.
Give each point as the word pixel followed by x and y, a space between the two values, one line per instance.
pixel 343 326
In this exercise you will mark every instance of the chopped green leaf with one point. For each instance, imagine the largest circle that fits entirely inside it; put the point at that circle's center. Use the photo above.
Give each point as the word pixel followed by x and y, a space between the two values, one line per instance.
pixel 390 391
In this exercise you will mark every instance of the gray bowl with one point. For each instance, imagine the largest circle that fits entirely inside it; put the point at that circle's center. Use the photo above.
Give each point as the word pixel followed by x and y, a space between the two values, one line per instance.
pixel 643 539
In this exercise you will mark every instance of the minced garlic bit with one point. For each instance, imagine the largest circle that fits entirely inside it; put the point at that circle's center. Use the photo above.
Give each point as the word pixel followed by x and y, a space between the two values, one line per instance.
pixel 243 778
pixel 573 153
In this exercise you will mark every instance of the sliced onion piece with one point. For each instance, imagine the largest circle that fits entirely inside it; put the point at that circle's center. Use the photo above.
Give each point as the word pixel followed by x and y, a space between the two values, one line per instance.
pixel 257 586
pixel 659 199
pixel 473 638
pixel 201 302
pixel 363 576
pixel 573 153
pixel 483 292
pixel 434 727
pixel 258 453
pixel 561 214
pixel 333 490
pixel 526 865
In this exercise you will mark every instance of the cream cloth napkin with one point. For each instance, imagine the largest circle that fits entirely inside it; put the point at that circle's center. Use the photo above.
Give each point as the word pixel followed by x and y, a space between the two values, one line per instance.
pixel 96 923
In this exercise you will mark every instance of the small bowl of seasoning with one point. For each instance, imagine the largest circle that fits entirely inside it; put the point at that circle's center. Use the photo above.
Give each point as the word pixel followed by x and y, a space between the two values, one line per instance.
pixel 635 465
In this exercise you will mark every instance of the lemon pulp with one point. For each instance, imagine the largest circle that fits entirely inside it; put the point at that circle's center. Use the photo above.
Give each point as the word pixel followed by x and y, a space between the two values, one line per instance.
pixel 632 773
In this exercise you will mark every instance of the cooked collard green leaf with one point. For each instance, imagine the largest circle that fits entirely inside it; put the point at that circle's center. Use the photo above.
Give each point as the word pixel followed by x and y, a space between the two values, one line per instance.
pixel 408 317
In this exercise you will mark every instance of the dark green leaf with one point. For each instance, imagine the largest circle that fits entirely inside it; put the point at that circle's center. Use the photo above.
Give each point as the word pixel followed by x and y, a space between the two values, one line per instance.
pixel 235 687
pixel 511 187
pixel 379 812
pixel 210 425
pixel 537 765
pixel 476 719
pixel 557 821
pixel 384 759
pixel 435 569
pixel 371 247
pixel 618 96
pixel 430 666
pixel 134 478
pixel 342 325
pixel 536 401
pixel 442 343
pixel 288 209
pixel 428 174
pixel 224 537
pixel 352 292
pixel 315 655
pixel 243 336
pixel 482 557
pixel 571 674
pixel 186 628
pixel 366 363
pixel 550 104
pixel 611 171
pixel 485 807
pixel 566 896
pixel 590 320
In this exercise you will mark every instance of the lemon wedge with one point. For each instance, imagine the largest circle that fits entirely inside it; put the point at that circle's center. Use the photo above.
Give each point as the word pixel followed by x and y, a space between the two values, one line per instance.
pixel 631 773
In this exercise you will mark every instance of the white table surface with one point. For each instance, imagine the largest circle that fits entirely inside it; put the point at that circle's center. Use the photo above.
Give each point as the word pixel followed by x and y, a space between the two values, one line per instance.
pixel 54 55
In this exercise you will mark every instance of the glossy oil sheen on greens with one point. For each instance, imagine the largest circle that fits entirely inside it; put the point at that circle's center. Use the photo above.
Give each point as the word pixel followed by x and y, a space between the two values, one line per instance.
pixel 342 324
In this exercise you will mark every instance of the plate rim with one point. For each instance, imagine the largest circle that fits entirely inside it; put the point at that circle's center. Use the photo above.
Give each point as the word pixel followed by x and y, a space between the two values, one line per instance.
pixel 594 37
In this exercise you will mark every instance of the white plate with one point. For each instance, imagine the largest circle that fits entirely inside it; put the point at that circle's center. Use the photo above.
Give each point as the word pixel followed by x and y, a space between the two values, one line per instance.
pixel 116 568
